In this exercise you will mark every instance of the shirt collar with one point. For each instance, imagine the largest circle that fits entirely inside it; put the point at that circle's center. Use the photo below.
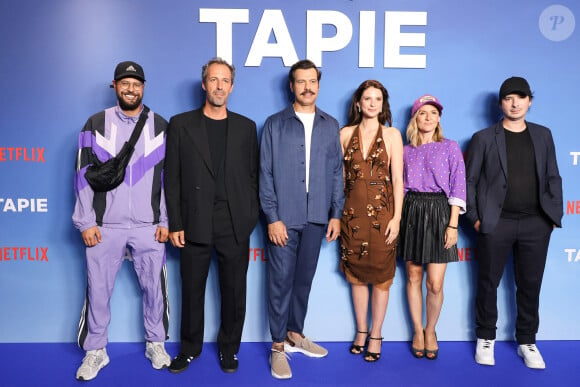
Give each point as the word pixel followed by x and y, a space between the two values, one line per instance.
pixel 290 113
pixel 125 118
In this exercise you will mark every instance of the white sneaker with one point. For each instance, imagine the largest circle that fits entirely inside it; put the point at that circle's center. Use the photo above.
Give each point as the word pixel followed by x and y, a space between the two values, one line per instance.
pixel 484 352
pixel 92 363
pixel 531 355
pixel 155 351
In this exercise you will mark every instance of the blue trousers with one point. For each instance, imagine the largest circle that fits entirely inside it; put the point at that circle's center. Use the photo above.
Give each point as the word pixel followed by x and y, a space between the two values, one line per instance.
pixel 291 270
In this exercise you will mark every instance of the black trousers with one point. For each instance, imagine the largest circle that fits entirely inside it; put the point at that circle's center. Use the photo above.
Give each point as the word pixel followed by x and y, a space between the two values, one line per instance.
pixel 232 270
pixel 528 239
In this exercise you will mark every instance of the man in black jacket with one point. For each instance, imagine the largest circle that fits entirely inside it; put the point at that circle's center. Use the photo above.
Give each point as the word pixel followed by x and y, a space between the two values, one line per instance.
pixel 211 188
pixel 514 200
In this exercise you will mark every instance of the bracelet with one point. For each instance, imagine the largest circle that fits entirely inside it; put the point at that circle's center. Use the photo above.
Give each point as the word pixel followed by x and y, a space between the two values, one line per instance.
pixel 453 227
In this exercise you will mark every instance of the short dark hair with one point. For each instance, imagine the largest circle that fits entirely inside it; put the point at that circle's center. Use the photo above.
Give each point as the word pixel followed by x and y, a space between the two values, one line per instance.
pixel 303 64
pixel 217 60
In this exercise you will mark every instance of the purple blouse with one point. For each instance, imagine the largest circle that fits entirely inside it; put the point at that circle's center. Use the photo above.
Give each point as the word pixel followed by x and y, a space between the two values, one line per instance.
pixel 436 167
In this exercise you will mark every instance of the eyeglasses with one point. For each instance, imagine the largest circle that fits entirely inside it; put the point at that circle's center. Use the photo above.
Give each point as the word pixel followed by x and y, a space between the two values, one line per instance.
pixel 126 85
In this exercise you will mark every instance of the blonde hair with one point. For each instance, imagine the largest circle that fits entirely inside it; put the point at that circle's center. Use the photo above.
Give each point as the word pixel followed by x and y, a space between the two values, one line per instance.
pixel 413 132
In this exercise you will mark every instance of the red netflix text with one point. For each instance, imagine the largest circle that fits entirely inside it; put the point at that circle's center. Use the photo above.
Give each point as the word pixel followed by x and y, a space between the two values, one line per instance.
pixel 573 207
pixel 24 253
pixel 257 254
pixel 466 254
pixel 22 154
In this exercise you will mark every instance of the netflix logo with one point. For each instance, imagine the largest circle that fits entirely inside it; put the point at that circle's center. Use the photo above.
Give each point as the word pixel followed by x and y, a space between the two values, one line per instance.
pixel 257 254
pixel 466 254
pixel 573 207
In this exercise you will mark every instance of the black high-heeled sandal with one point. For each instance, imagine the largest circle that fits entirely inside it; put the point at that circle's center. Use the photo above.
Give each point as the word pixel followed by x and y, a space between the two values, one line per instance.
pixel 419 353
pixel 431 354
pixel 372 357
pixel 356 349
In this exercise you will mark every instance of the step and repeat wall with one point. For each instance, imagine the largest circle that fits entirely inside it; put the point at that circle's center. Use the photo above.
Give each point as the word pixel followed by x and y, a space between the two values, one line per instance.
pixel 57 63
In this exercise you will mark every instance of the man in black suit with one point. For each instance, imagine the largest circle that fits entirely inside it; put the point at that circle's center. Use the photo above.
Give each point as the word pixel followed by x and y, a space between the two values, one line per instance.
pixel 514 200
pixel 211 188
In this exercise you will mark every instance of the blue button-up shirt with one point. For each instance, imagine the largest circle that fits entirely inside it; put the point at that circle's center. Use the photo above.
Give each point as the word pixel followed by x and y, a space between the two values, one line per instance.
pixel 283 193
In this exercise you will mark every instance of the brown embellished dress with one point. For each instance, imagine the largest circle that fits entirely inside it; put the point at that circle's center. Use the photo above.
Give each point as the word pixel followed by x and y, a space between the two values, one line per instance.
pixel 368 208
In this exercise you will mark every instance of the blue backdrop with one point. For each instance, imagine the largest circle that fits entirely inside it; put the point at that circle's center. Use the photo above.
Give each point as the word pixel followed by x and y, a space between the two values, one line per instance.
pixel 57 63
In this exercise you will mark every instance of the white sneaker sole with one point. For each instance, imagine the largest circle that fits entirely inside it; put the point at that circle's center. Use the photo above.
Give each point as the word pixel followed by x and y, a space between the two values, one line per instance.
pixel 289 348
pixel 529 364
pixel 483 361
pixel 281 377
pixel 158 366
pixel 275 375
pixel 103 364
pixel 162 366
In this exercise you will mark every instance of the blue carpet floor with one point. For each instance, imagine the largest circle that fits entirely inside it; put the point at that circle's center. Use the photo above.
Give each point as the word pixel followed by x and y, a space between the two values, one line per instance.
pixel 56 364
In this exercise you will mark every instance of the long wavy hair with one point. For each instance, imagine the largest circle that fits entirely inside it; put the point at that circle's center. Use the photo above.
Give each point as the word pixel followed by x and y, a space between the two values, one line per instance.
pixel 355 116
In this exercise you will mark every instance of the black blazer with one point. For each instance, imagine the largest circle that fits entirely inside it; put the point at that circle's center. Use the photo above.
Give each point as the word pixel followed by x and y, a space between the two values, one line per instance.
pixel 189 176
pixel 486 167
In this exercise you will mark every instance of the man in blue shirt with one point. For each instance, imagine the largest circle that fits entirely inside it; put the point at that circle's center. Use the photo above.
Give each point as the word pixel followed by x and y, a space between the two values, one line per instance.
pixel 301 193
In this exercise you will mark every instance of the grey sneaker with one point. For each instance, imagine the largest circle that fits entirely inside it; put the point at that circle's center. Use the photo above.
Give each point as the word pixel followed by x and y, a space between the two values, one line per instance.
pixel 92 363
pixel 532 356
pixel 279 365
pixel 484 352
pixel 305 346
pixel 155 351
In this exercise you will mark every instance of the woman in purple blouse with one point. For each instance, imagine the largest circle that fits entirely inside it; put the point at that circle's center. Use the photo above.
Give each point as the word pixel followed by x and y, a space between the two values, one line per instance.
pixel 434 182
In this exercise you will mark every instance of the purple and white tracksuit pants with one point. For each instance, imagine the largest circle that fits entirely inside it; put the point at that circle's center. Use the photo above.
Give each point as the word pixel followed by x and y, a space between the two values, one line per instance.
pixel 103 263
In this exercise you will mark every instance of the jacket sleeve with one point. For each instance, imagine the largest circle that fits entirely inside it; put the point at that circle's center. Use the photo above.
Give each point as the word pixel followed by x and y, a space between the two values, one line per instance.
pixel 84 214
pixel 474 163
pixel 161 125
pixel 268 199
pixel 254 161
pixel 553 179
pixel 457 190
pixel 172 177
pixel 337 199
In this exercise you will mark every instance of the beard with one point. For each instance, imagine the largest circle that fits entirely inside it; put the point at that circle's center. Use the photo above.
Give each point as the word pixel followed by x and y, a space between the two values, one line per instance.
pixel 216 101
pixel 124 105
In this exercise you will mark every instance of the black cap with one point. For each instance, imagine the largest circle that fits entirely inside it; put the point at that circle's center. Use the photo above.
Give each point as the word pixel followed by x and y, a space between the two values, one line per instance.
pixel 514 85
pixel 129 69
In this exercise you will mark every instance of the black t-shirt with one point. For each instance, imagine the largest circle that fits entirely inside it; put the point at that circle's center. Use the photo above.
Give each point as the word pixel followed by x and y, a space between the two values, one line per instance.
pixel 216 135
pixel 522 194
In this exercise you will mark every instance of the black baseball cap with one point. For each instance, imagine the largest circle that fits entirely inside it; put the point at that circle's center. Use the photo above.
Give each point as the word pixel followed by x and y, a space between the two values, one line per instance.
pixel 515 85
pixel 129 69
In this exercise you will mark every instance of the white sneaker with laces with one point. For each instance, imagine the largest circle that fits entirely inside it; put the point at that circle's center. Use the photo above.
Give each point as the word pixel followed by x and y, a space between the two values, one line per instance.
pixel 93 362
pixel 484 352
pixel 155 351
pixel 532 356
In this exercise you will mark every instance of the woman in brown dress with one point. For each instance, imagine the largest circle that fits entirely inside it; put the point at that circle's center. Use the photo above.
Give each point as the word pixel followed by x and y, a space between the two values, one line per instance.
pixel 373 167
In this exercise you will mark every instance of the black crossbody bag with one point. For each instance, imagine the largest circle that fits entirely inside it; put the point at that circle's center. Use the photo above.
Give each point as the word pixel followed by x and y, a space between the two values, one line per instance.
pixel 108 175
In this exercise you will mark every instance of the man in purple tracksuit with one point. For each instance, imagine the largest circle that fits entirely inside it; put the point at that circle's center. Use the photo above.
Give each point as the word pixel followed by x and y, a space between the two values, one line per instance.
pixel 130 218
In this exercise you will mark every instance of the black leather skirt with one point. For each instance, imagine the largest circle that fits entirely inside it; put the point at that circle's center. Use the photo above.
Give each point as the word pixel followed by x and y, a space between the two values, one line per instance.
pixel 423 224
